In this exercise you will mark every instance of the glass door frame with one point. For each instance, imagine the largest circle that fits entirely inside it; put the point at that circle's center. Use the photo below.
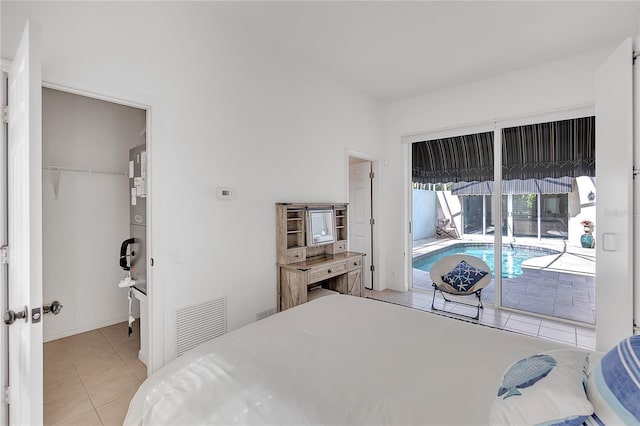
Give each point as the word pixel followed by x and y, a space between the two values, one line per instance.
pixel 491 126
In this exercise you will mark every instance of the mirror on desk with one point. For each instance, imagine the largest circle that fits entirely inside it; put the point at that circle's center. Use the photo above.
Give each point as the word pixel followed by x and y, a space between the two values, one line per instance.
pixel 320 227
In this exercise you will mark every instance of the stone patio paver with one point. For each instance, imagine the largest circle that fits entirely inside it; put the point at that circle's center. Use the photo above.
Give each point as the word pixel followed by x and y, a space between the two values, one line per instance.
pixel 560 285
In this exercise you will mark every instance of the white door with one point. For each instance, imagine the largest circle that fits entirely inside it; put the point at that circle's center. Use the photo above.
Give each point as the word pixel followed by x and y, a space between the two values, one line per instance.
pixel 614 164
pixel 4 353
pixel 25 230
pixel 360 215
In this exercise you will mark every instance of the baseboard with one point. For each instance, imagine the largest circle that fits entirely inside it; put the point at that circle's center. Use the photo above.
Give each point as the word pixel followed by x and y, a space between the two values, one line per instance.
pixel 84 329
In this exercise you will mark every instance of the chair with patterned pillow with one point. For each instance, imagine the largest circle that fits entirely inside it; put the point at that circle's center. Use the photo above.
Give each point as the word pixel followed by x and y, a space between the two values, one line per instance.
pixel 460 275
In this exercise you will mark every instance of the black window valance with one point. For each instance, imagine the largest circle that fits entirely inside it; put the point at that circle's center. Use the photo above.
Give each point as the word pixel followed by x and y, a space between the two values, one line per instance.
pixel 460 158
pixel 556 149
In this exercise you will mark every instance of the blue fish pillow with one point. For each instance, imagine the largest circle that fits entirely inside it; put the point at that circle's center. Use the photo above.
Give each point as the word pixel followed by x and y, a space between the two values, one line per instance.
pixel 463 276
pixel 544 389
pixel 614 385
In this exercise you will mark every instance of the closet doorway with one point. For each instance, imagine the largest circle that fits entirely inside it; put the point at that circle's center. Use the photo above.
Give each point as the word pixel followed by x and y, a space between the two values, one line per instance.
pixel 93 356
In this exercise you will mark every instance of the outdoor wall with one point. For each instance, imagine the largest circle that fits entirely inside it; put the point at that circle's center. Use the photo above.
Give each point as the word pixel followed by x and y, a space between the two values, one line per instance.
pixel 557 85
pixel 84 226
pixel 228 110
pixel 424 214
pixel 581 208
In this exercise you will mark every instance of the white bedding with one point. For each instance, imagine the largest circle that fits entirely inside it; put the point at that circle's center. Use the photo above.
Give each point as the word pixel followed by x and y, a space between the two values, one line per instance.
pixel 337 360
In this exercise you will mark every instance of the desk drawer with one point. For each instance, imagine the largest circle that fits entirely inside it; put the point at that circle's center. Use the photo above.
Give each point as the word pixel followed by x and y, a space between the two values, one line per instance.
pixel 354 263
pixel 323 272
pixel 296 255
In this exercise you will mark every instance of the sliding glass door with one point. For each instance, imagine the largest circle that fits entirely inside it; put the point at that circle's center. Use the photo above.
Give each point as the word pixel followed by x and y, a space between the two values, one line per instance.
pixel 544 222
pixel 452 202
pixel 548 187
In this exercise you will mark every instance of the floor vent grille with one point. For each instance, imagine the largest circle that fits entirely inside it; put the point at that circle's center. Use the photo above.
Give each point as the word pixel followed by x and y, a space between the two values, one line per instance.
pixel 198 323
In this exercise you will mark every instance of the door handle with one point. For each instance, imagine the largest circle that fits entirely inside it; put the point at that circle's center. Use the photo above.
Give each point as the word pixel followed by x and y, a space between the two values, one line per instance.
pixel 10 316
pixel 53 308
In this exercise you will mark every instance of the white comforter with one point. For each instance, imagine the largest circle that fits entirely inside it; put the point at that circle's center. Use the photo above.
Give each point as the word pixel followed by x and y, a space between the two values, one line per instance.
pixel 336 360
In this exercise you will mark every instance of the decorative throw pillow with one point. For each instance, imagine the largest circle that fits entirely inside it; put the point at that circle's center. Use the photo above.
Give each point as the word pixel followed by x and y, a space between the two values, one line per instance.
pixel 463 276
pixel 614 385
pixel 543 389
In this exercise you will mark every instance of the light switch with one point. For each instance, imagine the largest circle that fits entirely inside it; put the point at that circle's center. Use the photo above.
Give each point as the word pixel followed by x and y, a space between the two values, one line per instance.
pixel 609 242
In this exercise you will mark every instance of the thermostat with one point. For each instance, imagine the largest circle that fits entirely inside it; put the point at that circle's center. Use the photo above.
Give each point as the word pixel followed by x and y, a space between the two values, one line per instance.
pixel 226 193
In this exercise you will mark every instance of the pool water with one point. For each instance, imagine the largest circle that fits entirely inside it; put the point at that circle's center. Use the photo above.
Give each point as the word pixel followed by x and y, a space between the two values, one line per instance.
pixel 512 256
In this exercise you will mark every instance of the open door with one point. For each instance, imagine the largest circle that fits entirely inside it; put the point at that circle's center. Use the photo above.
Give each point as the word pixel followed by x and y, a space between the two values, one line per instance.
pixel 614 185
pixel 360 215
pixel 24 193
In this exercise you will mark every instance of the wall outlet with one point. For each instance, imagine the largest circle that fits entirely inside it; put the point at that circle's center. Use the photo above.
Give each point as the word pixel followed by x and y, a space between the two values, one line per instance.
pixel 264 314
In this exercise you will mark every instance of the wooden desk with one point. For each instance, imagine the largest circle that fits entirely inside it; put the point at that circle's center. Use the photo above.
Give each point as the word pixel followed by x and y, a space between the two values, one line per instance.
pixel 341 272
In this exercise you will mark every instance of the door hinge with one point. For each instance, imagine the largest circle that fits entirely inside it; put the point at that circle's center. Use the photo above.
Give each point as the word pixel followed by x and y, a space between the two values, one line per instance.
pixel 5 114
pixel 4 255
pixel 372 268
pixel 6 395
pixel 372 221
pixel 371 175
pixel 635 172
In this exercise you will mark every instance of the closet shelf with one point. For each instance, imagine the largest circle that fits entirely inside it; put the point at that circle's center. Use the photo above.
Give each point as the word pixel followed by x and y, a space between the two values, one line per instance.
pixel 58 170
pixel 76 170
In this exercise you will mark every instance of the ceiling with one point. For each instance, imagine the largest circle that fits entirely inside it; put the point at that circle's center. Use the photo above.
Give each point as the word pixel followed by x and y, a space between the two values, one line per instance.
pixel 395 49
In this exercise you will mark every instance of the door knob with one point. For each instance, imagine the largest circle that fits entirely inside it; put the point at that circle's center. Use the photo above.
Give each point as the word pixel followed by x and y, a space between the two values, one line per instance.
pixel 53 308
pixel 10 316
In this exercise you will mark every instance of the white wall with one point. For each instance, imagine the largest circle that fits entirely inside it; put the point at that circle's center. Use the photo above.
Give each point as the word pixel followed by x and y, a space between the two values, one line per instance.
pixel 557 85
pixel 84 226
pixel 424 214
pixel 227 110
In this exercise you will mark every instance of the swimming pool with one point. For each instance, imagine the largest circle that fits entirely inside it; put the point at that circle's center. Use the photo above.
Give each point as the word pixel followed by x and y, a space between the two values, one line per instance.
pixel 512 256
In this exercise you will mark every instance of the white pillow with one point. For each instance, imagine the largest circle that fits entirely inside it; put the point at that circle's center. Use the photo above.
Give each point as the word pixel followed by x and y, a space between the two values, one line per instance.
pixel 543 389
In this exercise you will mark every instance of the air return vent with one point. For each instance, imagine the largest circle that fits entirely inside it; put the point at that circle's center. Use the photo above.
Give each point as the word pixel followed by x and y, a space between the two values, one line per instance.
pixel 198 323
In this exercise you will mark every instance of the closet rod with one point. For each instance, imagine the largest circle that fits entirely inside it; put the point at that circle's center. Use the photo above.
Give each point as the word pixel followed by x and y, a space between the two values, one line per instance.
pixel 75 170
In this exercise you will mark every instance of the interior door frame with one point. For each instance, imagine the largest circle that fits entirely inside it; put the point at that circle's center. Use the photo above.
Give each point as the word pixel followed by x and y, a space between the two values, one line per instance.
pixel 375 208
pixel 154 290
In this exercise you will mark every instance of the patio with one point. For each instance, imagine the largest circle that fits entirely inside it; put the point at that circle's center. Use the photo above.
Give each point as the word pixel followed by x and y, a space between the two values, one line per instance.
pixel 560 285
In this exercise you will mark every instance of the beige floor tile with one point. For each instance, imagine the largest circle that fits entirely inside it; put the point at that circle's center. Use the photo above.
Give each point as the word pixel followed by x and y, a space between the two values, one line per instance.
pixel 124 343
pixel 83 338
pixel 66 407
pixel 122 340
pixel 136 363
pixel 119 330
pixel 80 347
pixel 114 412
pixel 53 349
pixel 56 368
pixel 82 361
pixel 140 372
pixel 59 387
pixel 110 390
pixel 99 373
pixel 127 354
pixel 90 418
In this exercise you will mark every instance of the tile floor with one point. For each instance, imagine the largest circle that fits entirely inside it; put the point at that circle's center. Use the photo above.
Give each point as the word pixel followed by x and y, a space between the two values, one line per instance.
pixel 583 337
pixel 89 378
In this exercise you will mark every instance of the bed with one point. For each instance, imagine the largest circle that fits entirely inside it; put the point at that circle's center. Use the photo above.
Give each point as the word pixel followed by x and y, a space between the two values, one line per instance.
pixel 338 360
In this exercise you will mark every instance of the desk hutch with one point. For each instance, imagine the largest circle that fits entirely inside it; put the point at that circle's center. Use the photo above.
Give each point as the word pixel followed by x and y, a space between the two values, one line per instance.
pixel 304 264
